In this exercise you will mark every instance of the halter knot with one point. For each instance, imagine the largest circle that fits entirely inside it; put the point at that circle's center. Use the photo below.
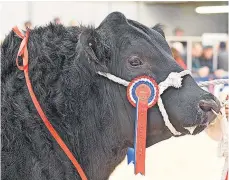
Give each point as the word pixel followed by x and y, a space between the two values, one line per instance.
pixel 23 51
pixel 174 79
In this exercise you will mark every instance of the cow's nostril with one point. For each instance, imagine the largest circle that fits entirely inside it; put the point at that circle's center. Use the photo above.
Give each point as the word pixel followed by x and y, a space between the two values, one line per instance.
pixel 208 105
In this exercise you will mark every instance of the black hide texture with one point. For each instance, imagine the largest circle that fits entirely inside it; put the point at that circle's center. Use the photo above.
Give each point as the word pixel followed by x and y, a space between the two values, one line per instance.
pixel 91 113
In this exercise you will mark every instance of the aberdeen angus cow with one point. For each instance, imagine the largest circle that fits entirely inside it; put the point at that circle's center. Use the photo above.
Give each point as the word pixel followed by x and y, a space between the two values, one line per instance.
pixel 90 112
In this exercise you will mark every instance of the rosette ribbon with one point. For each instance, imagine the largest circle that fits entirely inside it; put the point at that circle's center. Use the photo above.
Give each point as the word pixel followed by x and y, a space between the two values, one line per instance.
pixel 142 93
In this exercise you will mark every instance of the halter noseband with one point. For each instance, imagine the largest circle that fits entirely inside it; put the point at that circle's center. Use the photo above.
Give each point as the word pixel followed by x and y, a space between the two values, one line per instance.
pixel 174 79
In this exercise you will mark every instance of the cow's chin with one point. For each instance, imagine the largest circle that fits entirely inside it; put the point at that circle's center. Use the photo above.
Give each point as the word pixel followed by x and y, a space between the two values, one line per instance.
pixel 198 128
pixel 158 136
pixel 153 139
pixel 206 119
pixel 195 129
pixel 201 123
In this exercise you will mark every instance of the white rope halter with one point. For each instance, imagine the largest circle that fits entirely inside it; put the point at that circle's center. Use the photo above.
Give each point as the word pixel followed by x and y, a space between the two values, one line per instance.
pixel 174 79
pixel 214 82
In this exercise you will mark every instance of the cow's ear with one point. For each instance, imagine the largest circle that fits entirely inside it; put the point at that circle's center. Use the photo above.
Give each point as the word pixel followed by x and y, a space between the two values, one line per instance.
pixel 92 47
pixel 159 29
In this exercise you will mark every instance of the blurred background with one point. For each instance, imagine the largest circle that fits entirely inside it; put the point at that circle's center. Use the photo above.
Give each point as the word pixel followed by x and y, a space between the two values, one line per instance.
pixel 197 33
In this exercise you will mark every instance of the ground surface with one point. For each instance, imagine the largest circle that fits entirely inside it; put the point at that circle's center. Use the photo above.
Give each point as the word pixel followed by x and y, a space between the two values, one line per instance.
pixel 183 158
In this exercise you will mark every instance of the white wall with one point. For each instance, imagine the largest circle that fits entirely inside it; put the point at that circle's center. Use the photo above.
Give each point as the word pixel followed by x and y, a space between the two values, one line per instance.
pixel 41 13
pixel 185 17
pixel 12 14
pixel 82 12
pixel 171 15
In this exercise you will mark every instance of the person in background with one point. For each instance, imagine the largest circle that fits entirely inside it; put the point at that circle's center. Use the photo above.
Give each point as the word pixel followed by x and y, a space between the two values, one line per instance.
pixel 206 60
pixel 197 51
pixel 73 23
pixel 178 31
pixel 57 20
pixel 223 57
pixel 28 24
pixel 178 58
pixel 179 47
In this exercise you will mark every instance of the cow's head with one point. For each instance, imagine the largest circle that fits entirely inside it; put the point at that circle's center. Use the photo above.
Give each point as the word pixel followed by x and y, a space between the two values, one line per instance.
pixel 129 49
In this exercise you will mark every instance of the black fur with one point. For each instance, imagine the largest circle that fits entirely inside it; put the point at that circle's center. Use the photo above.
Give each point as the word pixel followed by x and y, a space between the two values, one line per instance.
pixel 90 112
pixel 75 103
pixel 159 28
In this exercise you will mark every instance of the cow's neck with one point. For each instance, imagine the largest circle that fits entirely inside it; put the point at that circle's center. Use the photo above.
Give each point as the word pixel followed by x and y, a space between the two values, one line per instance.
pixel 85 117
pixel 81 112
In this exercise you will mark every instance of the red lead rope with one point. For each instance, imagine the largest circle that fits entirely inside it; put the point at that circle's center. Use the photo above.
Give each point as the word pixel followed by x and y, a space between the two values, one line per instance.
pixel 23 52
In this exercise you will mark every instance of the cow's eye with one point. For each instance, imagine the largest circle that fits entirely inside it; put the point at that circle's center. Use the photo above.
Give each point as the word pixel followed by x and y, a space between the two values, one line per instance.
pixel 135 61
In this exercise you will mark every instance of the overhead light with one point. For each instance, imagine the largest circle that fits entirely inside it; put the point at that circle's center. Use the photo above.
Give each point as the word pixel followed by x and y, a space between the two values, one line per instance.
pixel 212 9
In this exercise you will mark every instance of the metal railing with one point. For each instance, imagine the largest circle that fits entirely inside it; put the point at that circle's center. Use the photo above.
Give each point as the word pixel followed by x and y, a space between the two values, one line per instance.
pixel 190 40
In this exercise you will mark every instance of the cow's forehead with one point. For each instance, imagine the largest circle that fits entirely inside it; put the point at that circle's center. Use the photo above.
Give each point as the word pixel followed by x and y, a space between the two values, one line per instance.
pixel 116 26
pixel 112 20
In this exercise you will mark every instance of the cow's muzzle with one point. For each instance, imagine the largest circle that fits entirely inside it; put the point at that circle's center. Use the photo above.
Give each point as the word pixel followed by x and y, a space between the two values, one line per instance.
pixel 208 108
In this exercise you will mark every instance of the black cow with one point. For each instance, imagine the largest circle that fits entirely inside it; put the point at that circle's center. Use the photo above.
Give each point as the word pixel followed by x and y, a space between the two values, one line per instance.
pixel 90 112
